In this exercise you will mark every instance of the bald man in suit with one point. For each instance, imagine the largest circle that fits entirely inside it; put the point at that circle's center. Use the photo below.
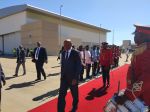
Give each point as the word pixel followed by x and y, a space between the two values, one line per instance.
pixel 70 71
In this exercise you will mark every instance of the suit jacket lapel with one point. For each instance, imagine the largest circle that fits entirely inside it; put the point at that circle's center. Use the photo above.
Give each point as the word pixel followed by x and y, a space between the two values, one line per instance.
pixel 63 55
pixel 70 54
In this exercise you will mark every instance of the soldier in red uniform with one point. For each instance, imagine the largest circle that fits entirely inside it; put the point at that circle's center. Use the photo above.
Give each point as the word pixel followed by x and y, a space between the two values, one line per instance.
pixel 105 62
pixel 138 77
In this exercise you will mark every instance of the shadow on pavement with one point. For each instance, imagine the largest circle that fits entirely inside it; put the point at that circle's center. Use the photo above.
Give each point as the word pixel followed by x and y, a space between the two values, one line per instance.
pixel 56 66
pixel 46 95
pixel 11 77
pixel 7 78
pixel 8 56
pixel 96 93
pixel 22 85
pixel 53 74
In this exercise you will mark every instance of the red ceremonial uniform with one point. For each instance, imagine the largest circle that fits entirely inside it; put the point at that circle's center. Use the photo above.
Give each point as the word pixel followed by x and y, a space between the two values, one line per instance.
pixel 138 77
pixel 106 57
pixel 113 54
pixel 118 52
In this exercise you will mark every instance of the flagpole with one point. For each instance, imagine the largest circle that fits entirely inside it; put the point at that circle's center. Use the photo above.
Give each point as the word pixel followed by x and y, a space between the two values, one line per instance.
pixel 113 37
pixel 99 35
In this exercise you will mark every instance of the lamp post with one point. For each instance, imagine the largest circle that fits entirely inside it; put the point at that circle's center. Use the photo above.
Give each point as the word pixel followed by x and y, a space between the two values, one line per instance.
pixel 99 35
pixel 60 8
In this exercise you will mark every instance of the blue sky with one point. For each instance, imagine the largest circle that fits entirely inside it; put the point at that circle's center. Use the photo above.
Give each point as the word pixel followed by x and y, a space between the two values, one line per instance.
pixel 117 15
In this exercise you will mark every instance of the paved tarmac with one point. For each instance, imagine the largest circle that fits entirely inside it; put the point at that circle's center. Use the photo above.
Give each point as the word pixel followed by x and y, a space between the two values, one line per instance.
pixel 22 93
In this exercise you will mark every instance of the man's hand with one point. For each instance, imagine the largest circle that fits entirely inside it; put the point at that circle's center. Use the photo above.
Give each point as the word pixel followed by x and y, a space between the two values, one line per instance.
pixel 74 82
pixel 4 83
pixel 58 58
pixel 46 61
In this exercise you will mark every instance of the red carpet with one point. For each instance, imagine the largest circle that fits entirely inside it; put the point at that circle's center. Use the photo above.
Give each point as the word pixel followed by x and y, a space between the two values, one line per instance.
pixel 92 96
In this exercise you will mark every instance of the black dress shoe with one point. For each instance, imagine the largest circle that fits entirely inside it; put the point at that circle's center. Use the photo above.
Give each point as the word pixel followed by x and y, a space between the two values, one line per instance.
pixel 37 79
pixel 45 78
pixel 16 75
pixel 74 109
pixel 24 74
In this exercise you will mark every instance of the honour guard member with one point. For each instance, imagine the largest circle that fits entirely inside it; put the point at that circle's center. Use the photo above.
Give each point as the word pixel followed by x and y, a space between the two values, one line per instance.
pixel 105 62
pixel 138 77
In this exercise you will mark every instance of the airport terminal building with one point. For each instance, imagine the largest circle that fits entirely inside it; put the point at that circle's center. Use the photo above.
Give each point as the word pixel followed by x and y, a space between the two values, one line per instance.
pixel 25 24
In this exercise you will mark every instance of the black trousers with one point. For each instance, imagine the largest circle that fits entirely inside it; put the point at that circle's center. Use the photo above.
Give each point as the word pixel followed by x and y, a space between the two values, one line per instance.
pixel 64 85
pixel 17 67
pixel 81 74
pixel 115 62
pixel 40 69
pixel 88 68
pixel 105 74
pixel 127 56
pixel 94 68
pixel 98 68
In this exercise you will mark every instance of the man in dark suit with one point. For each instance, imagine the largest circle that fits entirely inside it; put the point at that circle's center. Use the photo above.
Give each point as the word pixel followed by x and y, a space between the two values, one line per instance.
pixel 2 80
pixel 20 60
pixel 40 57
pixel 70 71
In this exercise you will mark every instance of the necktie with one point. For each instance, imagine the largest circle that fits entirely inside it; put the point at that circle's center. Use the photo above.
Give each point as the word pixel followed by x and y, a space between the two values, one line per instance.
pixel 66 55
pixel 37 53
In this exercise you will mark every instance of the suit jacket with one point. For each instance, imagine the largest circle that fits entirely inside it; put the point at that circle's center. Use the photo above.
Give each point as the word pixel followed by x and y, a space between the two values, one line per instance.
pixel 71 67
pixel 20 55
pixel 42 57
pixel 106 57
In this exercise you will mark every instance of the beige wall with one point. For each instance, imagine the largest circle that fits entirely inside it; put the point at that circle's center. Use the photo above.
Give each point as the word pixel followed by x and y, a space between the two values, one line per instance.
pixel 71 29
pixel 35 26
pixel 42 31
pixel 46 28
pixel 12 23
pixel 32 15
pixel 11 40
pixel 50 38
pixel 84 35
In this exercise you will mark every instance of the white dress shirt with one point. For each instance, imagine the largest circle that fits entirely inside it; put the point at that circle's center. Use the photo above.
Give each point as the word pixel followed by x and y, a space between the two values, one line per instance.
pixel 69 51
pixel 88 57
